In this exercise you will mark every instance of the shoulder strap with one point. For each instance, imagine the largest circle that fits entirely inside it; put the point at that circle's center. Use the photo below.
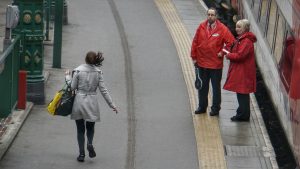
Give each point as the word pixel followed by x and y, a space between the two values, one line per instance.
pixel 77 71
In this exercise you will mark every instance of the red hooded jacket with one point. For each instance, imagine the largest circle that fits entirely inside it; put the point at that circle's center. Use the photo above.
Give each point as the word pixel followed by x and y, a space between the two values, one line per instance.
pixel 205 46
pixel 241 77
pixel 286 63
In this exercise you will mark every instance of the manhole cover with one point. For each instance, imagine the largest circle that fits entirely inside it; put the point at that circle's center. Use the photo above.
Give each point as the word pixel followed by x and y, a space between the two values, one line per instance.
pixel 244 151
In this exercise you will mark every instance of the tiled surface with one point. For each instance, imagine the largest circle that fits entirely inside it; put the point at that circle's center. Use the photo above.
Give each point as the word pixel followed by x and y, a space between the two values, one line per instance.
pixel 241 136
pixel 190 14
pixel 244 163
pixel 208 138
pixel 3 125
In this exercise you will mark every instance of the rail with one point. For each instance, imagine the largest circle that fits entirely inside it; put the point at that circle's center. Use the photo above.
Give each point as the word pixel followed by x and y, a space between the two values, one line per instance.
pixel 10 63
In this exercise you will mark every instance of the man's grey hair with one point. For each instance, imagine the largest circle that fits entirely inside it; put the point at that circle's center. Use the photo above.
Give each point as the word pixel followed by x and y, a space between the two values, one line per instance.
pixel 214 9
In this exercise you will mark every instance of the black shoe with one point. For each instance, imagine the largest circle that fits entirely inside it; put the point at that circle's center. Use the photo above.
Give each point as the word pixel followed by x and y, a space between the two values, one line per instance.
pixel 239 119
pixel 200 111
pixel 80 158
pixel 233 118
pixel 214 113
pixel 91 150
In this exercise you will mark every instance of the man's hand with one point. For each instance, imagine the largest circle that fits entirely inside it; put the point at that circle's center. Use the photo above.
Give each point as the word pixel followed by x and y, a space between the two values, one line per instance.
pixel 220 54
pixel 195 63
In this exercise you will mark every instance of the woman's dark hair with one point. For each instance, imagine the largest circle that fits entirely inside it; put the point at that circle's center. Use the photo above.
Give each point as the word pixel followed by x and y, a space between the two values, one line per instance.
pixel 94 58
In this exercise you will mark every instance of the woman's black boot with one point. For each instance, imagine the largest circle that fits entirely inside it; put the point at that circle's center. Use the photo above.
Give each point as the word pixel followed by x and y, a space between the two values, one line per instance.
pixel 80 158
pixel 91 150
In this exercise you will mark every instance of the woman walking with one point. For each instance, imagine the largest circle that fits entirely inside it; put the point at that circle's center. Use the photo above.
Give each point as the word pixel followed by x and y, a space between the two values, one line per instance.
pixel 85 80
pixel 241 77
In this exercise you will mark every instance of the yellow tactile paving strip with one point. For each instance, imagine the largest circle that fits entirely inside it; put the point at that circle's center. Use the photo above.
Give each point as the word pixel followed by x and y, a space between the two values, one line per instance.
pixel 208 137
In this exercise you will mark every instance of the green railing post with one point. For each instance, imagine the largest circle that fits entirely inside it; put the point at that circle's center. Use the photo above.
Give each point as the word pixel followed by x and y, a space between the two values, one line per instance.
pixel 57 34
pixel 31 30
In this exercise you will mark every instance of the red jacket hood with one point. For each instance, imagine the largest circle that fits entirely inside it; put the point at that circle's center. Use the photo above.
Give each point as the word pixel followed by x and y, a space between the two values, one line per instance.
pixel 290 40
pixel 248 35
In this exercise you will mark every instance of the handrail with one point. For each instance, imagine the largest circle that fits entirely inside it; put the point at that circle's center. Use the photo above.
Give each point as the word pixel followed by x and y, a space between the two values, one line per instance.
pixel 8 50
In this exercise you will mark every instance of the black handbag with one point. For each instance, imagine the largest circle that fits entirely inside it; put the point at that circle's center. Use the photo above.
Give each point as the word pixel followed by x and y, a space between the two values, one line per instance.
pixel 64 107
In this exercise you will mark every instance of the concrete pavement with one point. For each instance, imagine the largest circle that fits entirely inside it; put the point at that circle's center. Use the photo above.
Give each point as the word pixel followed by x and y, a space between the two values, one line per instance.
pixel 163 131
pixel 246 145
pixel 54 138
pixel 9 126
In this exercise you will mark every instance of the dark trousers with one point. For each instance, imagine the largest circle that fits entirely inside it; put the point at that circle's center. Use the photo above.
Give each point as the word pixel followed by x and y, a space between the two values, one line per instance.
pixel 90 128
pixel 243 110
pixel 215 76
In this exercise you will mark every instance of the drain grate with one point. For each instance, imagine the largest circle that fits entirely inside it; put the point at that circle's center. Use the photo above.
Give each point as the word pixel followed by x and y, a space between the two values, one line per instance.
pixel 243 151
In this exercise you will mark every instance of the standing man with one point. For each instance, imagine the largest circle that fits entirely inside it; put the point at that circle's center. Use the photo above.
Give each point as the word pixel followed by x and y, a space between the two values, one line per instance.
pixel 207 55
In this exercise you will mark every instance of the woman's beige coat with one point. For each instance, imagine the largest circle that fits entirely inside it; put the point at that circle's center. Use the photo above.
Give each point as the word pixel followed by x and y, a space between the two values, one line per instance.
pixel 86 79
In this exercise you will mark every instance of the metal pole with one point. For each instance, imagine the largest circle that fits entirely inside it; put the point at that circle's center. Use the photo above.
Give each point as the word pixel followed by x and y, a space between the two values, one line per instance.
pixel 6 43
pixel 65 11
pixel 7 39
pixel 22 89
pixel 47 19
pixel 57 34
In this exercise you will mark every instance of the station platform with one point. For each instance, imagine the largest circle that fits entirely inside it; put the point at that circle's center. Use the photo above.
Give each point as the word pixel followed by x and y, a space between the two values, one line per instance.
pixel 220 142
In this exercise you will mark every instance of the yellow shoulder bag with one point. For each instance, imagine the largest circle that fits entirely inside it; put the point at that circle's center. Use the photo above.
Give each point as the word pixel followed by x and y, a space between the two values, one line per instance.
pixel 54 103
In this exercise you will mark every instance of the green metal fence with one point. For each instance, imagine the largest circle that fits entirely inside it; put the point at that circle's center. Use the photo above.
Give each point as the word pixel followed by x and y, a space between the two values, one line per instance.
pixel 9 77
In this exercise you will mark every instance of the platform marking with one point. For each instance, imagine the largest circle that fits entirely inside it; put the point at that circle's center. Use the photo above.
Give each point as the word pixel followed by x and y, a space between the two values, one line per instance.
pixel 207 131
pixel 131 119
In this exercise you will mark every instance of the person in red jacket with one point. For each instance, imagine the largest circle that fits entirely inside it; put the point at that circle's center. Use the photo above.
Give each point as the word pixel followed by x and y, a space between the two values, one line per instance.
pixel 207 55
pixel 241 77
